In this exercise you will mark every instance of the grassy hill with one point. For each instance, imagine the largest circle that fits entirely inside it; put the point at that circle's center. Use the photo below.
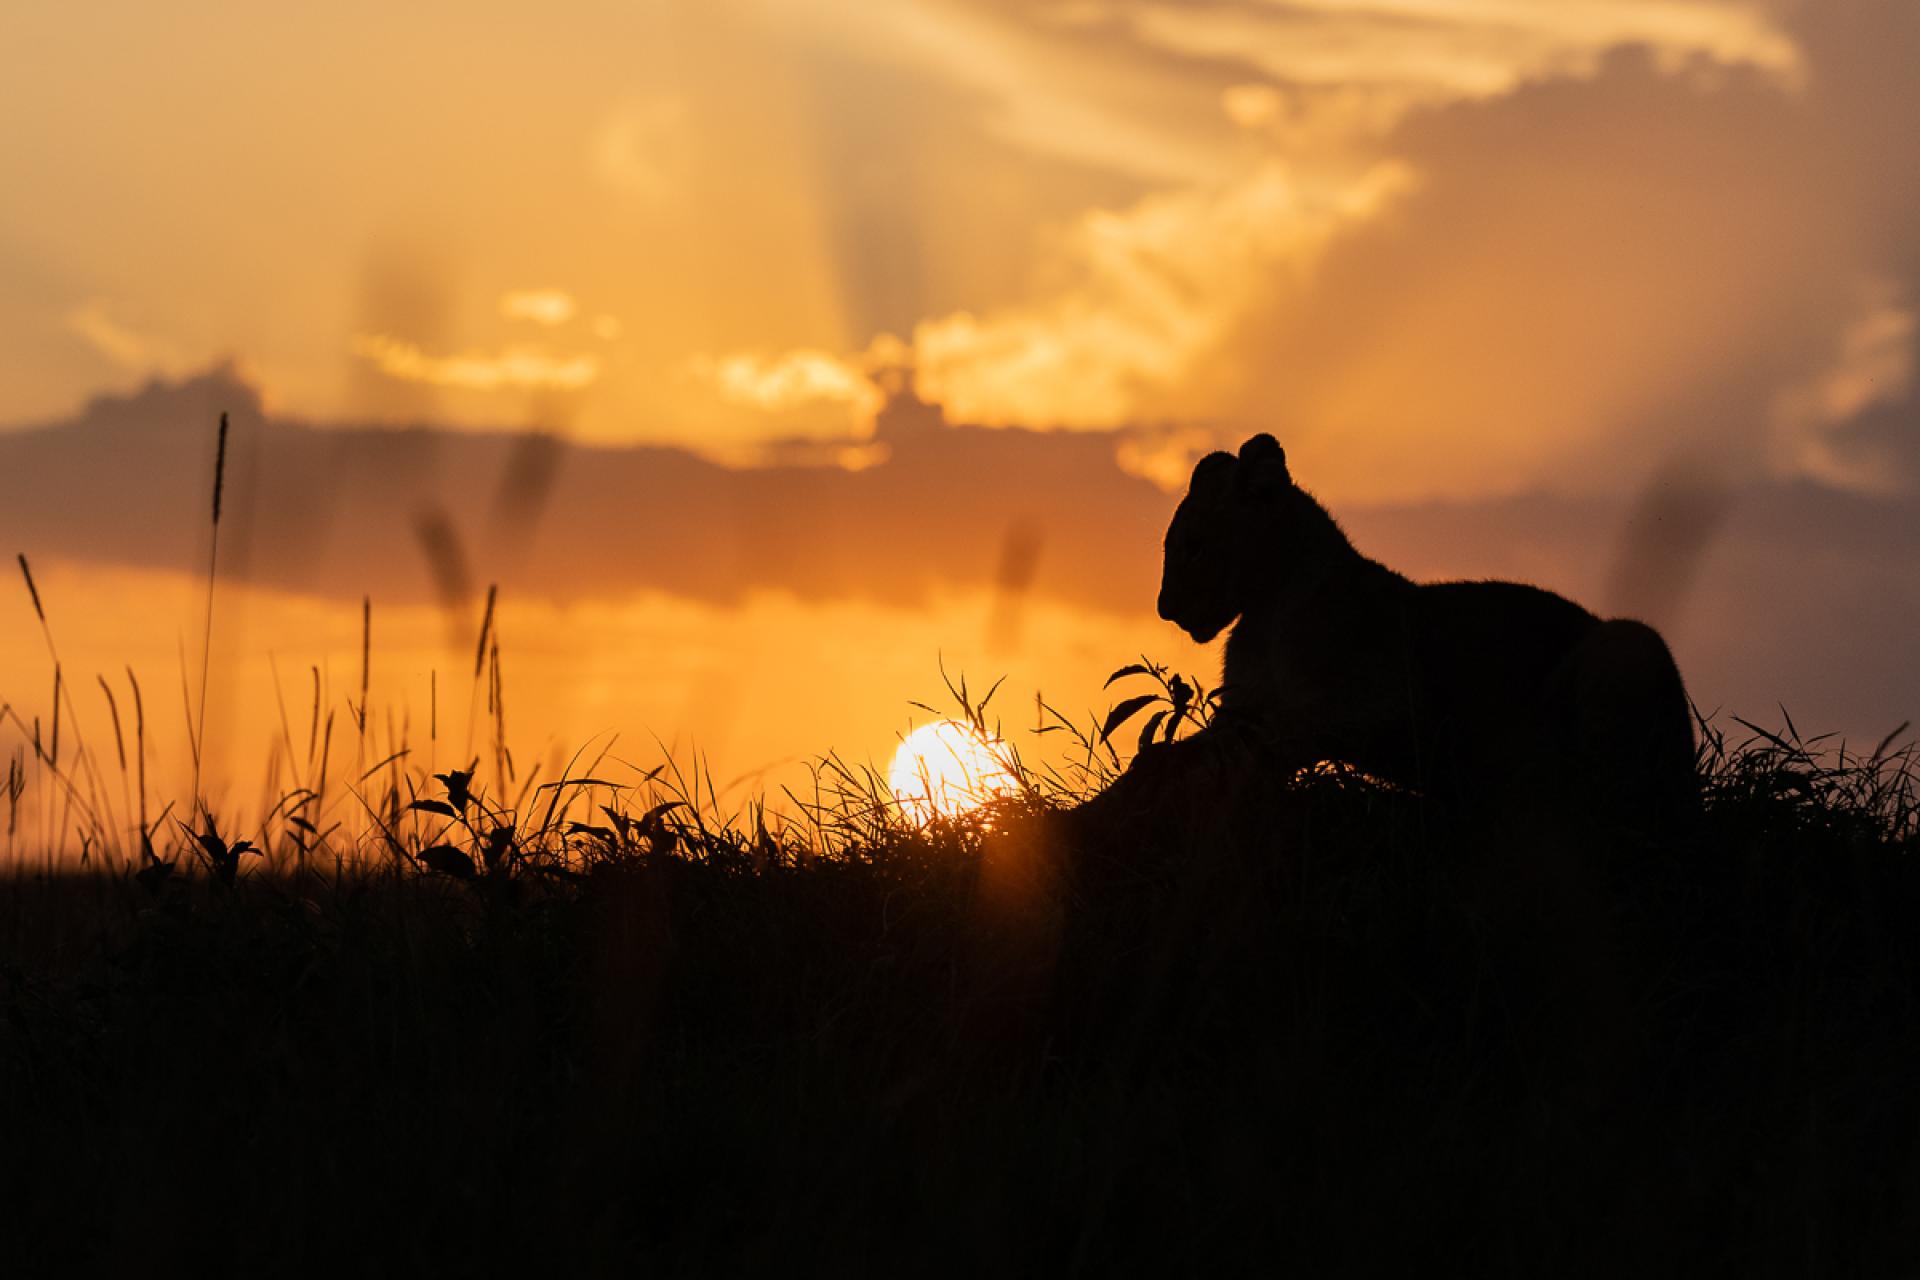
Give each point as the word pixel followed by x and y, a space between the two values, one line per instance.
pixel 1324 1032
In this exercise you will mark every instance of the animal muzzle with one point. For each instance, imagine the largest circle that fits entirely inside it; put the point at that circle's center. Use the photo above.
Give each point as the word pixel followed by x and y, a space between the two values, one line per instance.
pixel 1188 619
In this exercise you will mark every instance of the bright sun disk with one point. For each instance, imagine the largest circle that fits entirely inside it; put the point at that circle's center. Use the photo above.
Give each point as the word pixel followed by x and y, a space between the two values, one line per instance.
pixel 945 769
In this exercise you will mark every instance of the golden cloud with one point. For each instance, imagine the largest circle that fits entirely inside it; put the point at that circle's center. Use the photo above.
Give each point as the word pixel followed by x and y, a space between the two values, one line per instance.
pixel 1253 106
pixel 522 368
pixel 1037 91
pixel 642 147
pixel 1873 366
pixel 1164 455
pixel 792 380
pixel 1157 287
pixel 548 307
pixel 1443 49
pixel 124 345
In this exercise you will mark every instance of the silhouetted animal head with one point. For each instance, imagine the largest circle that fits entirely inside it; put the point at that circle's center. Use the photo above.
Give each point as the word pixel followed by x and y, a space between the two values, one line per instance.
pixel 1220 543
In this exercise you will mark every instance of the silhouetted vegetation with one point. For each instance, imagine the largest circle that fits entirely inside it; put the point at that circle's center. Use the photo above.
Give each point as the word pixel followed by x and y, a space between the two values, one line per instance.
pixel 1325 1032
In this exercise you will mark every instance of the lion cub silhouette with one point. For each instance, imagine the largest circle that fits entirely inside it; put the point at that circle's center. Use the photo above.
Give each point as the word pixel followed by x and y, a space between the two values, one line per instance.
pixel 1480 693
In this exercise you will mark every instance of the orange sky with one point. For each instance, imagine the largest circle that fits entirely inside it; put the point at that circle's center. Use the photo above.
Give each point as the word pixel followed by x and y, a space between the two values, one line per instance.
pixel 698 223
pixel 1452 251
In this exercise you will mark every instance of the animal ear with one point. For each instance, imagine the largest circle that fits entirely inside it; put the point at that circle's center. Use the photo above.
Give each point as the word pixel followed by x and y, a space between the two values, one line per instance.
pixel 1262 448
pixel 1263 467
pixel 1211 473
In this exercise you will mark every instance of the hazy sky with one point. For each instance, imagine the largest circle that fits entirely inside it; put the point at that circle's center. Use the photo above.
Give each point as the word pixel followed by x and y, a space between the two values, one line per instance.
pixel 1561 255
pixel 1443 245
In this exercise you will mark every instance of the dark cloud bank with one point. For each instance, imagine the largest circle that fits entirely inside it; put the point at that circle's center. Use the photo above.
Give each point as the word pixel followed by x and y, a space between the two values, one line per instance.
pixel 1772 594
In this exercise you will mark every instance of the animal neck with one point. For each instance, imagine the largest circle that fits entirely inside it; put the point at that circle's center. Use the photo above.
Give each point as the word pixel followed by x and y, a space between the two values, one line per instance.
pixel 1313 571
pixel 1312 555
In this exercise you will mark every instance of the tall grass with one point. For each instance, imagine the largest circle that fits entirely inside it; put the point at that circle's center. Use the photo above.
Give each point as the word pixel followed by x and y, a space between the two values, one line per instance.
pixel 606 1021
pixel 199 721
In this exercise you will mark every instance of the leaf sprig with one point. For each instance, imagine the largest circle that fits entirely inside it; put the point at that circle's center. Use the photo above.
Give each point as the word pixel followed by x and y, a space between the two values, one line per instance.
pixel 1184 706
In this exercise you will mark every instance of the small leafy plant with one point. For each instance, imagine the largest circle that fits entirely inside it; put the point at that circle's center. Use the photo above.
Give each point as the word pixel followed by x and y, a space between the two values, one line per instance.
pixel 221 857
pixel 1183 706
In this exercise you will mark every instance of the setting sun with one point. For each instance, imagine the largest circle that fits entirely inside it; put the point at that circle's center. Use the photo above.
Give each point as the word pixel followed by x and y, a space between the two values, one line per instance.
pixel 946 768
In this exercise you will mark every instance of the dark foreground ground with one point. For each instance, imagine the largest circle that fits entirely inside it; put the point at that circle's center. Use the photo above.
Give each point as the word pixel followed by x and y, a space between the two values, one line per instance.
pixel 1327 1038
